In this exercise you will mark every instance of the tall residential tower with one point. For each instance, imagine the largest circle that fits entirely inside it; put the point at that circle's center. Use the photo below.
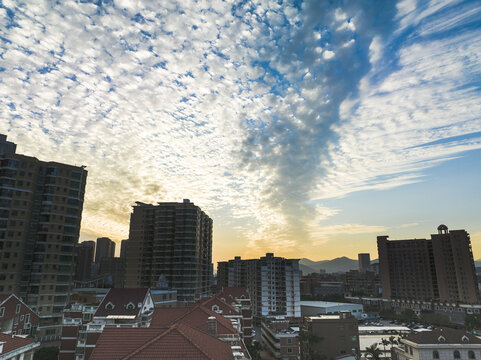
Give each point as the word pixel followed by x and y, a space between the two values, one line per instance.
pixel 40 211
pixel 173 240
pixel 441 268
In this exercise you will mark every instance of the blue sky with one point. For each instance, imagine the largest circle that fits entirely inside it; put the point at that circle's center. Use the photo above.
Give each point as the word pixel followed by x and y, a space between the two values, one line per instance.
pixel 300 127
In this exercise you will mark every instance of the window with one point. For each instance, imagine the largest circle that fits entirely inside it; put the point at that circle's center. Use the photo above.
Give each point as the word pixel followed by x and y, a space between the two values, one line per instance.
pixel 2 311
pixel 17 309
pixel 130 306
pixel 109 306
pixel 27 319
pixel 471 354
pixel 289 341
pixel 456 354
pixel 435 354
pixel 289 350
pixel 215 308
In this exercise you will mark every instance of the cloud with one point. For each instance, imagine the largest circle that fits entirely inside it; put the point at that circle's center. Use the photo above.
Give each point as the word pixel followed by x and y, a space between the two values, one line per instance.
pixel 256 111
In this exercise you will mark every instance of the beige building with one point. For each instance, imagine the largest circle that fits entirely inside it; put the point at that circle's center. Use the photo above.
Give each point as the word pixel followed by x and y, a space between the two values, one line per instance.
pixel 329 336
pixel 441 268
pixel 439 344
pixel 40 211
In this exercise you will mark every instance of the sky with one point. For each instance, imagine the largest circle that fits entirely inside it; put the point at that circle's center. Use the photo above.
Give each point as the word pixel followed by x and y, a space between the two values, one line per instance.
pixel 303 128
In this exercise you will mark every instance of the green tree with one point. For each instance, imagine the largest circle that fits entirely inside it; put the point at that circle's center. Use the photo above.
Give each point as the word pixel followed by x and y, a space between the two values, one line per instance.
pixel 373 352
pixel 472 322
pixel 46 353
pixel 385 343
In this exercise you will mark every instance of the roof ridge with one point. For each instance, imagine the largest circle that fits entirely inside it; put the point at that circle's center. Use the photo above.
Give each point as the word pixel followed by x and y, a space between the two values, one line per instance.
pixel 191 310
pixel 148 343
pixel 193 342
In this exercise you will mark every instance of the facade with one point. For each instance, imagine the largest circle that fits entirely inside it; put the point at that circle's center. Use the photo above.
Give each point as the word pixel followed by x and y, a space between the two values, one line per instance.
pixel 329 336
pixel 85 257
pixel 364 262
pixel 115 268
pixel 123 248
pixel 441 343
pixel 40 212
pixel 239 297
pixel 172 241
pixel 16 318
pixel 441 268
pixel 105 248
pixel 273 283
pixel 280 338
pixel 310 308
pixel 17 347
pixel 365 283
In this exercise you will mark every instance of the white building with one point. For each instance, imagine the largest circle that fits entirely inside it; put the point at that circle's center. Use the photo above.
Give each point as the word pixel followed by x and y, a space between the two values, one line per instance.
pixel 442 344
pixel 310 308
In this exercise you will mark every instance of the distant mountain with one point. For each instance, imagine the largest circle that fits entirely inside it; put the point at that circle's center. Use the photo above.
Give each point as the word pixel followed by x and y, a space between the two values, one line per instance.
pixel 342 264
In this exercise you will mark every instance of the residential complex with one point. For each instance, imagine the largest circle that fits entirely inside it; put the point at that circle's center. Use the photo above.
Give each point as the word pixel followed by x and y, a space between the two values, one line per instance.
pixel 174 241
pixel 364 262
pixel 105 248
pixel 40 211
pixel 273 283
pixel 441 268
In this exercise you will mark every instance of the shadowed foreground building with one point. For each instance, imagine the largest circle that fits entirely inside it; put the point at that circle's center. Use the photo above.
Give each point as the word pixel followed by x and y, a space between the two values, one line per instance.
pixel 441 268
pixel 40 211
pixel 173 241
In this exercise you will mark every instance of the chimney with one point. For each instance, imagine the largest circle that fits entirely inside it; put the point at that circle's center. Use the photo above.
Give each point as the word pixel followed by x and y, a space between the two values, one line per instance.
pixel 212 325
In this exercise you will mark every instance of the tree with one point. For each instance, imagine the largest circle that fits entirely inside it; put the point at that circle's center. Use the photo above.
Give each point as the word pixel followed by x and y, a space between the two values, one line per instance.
pixel 393 341
pixel 472 322
pixel 373 352
pixel 384 343
pixel 47 353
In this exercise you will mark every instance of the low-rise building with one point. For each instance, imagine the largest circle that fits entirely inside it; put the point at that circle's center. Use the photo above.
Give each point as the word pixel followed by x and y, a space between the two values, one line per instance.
pixel 441 343
pixel 14 347
pixel 310 308
pixel 280 337
pixel 239 298
pixel 16 317
pixel 329 336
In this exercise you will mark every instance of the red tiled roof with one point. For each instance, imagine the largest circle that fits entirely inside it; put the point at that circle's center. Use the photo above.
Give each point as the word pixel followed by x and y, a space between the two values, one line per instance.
pixel 120 298
pixel 226 308
pixel 195 316
pixel 449 336
pixel 235 292
pixel 13 342
pixel 179 341
pixel 4 297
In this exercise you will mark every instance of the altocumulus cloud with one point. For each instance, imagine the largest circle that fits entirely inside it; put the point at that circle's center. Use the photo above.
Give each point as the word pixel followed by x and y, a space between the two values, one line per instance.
pixel 256 109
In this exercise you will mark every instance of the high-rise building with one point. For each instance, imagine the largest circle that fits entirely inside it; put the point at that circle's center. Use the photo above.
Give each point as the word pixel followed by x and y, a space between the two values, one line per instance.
pixel 123 248
pixel 173 240
pixel 85 257
pixel 273 283
pixel 364 261
pixel 40 211
pixel 105 248
pixel 441 268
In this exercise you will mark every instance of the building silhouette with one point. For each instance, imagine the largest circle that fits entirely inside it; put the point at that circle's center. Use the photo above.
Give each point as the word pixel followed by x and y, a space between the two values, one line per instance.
pixel 123 248
pixel 40 211
pixel 105 248
pixel 173 240
pixel 364 262
pixel 441 268
pixel 85 257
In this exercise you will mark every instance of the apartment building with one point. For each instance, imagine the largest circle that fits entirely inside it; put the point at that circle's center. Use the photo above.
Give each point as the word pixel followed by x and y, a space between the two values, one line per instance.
pixel 441 268
pixel 172 241
pixel 85 257
pixel 105 248
pixel 40 212
pixel 329 336
pixel 273 283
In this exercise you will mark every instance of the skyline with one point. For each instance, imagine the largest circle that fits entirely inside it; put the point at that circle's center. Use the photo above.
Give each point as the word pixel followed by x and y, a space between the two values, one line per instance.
pixel 298 127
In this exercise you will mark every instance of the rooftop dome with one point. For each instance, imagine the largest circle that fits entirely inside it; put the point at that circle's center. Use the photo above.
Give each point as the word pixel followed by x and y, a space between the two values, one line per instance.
pixel 442 229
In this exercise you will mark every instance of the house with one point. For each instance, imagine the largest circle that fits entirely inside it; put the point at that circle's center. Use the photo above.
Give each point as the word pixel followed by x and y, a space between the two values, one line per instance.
pixel 441 343
pixel 83 324
pixel 178 341
pixel 13 347
pixel 239 298
pixel 16 317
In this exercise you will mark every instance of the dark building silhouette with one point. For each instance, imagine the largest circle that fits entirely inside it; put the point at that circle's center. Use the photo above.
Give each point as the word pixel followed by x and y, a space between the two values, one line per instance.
pixel 105 248
pixel 441 268
pixel 85 257
pixel 364 262
pixel 173 240
pixel 40 212
pixel 123 248
pixel 115 268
